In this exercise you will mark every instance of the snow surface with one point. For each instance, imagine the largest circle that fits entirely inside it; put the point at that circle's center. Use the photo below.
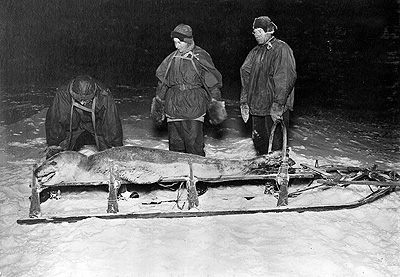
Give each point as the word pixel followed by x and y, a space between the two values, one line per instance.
pixel 359 242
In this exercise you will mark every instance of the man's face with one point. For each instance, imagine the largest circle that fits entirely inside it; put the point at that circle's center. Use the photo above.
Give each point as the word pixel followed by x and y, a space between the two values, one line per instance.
pixel 261 36
pixel 86 103
pixel 180 45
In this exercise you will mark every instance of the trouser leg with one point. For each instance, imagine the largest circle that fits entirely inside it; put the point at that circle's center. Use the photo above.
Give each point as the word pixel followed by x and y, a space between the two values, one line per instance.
pixel 102 143
pixel 186 136
pixel 175 137
pixel 81 137
pixel 193 136
pixel 260 134
pixel 73 140
pixel 262 127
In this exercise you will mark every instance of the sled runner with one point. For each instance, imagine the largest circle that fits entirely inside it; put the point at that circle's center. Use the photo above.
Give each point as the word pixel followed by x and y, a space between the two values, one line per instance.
pixel 379 193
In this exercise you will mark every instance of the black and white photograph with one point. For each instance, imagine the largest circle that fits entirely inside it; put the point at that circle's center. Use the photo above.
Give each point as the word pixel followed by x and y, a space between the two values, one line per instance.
pixel 199 138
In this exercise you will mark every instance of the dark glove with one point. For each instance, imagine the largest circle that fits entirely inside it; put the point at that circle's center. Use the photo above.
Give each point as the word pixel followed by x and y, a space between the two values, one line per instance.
pixel 157 110
pixel 52 150
pixel 216 111
pixel 276 111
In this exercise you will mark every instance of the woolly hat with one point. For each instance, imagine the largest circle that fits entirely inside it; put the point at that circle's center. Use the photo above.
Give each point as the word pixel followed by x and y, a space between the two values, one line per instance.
pixel 183 32
pixel 82 88
pixel 265 23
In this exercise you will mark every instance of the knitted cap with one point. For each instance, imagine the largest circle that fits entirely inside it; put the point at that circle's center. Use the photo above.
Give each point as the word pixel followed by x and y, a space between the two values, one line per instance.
pixel 183 32
pixel 82 88
pixel 265 23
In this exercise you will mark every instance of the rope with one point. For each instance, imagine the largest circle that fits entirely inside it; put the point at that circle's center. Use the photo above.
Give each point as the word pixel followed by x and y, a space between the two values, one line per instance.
pixel 92 111
pixel 271 138
pixel 179 195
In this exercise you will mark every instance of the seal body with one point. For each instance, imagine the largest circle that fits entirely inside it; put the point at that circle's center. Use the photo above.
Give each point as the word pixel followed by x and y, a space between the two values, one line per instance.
pixel 140 165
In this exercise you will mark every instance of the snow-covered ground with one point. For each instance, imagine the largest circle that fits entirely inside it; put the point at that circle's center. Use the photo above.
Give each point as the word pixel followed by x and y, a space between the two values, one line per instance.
pixel 359 242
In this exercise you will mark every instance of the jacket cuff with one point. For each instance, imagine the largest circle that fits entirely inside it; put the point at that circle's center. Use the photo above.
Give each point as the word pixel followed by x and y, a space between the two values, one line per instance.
pixel 216 94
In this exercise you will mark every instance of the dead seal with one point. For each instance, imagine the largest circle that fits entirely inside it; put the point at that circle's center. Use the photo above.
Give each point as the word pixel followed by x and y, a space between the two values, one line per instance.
pixel 141 165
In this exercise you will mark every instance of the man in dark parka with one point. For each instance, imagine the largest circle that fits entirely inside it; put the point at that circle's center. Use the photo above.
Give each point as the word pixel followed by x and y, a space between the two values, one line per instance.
pixel 188 86
pixel 82 112
pixel 268 75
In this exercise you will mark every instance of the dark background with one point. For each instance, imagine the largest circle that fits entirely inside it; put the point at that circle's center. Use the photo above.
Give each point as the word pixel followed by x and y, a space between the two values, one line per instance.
pixel 347 51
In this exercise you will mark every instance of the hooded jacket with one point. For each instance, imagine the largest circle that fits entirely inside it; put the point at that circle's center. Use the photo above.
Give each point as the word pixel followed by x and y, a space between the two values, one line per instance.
pixel 179 69
pixel 268 75
pixel 58 118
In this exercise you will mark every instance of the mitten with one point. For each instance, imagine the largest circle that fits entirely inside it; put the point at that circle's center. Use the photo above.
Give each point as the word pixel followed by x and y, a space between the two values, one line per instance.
pixel 157 110
pixel 216 112
pixel 276 111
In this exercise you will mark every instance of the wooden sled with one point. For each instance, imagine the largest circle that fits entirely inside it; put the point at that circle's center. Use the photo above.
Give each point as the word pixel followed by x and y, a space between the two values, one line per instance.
pixel 328 177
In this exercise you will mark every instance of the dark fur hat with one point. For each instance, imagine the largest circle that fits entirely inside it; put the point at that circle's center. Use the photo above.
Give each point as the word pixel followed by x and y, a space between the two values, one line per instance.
pixel 83 88
pixel 265 23
pixel 183 32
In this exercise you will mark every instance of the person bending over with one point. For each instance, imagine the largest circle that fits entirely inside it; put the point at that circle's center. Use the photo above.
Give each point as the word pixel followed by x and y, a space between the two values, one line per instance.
pixel 83 112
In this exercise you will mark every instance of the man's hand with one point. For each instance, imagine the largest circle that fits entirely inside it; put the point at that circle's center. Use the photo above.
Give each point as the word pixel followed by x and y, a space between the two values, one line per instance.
pixel 276 111
pixel 52 150
pixel 245 112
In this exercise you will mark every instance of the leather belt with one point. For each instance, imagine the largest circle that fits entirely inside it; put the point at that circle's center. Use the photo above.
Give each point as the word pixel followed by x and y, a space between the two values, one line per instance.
pixel 186 87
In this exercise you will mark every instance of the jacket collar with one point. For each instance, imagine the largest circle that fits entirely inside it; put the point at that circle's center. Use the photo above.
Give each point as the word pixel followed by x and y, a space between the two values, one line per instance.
pixel 269 43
